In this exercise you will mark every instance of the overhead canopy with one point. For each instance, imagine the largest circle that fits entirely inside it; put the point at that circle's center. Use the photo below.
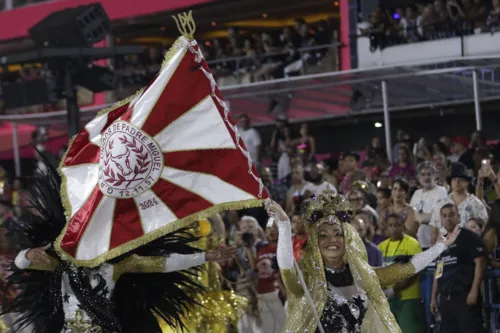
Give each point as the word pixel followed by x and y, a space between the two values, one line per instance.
pixel 329 95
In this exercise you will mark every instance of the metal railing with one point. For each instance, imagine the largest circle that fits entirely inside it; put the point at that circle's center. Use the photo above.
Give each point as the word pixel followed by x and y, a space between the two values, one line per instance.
pixel 301 51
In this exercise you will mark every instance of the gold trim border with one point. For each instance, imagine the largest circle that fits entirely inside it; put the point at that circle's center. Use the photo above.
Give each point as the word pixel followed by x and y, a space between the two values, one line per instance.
pixel 171 227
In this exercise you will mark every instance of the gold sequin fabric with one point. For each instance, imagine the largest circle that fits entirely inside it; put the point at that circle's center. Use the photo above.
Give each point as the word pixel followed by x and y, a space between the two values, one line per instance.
pixel 219 308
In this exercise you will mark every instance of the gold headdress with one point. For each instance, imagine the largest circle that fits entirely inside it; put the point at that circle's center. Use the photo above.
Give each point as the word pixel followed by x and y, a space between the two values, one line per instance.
pixel 334 209
pixel 328 205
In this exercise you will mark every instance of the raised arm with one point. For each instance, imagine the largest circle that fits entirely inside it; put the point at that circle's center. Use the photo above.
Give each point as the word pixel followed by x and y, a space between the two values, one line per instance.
pixel 284 253
pixel 172 263
pixel 392 274
pixel 35 259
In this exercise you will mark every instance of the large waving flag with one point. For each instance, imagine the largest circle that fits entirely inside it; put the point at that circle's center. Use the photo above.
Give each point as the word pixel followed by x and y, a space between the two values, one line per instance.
pixel 151 164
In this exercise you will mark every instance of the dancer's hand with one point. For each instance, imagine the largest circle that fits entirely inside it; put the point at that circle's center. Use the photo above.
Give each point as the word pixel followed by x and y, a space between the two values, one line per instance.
pixel 452 237
pixel 38 256
pixel 221 254
pixel 275 210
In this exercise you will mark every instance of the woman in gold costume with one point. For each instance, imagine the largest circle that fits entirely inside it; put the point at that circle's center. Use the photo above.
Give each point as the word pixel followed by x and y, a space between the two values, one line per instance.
pixel 347 293
pixel 217 308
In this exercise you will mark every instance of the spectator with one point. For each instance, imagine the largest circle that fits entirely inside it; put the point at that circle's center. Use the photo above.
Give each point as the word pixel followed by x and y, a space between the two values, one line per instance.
pixel 299 191
pixel 469 206
pixel 306 145
pixel 458 278
pixel 441 165
pixel 331 171
pixel 384 179
pixel 425 199
pixel 250 137
pixel 402 208
pixel 404 167
pixel 359 205
pixel 463 154
pixel 299 237
pixel 404 297
pixel 374 254
pixel 271 310
pixel 493 21
pixel 476 225
pixel 376 152
pixel 319 184
pixel 411 25
pixel 491 235
pixel 353 173
pixel 276 189
pixel 384 200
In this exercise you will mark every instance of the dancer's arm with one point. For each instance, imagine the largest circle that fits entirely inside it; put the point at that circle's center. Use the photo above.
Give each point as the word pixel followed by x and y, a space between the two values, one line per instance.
pixel 392 274
pixel 36 259
pixel 284 253
pixel 172 263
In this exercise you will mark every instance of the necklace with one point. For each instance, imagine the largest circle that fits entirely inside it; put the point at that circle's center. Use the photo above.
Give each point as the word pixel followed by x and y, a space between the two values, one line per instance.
pixel 340 277
pixel 395 251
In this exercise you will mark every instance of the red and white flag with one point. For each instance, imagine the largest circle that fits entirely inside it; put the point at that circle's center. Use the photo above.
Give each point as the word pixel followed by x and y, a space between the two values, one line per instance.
pixel 154 163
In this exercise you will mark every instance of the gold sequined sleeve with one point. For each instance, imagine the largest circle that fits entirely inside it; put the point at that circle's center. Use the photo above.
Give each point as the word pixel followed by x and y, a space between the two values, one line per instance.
pixel 291 281
pixel 140 264
pixel 392 274
pixel 158 264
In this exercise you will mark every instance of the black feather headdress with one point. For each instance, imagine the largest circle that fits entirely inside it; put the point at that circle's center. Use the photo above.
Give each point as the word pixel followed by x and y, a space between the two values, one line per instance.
pixel 137 301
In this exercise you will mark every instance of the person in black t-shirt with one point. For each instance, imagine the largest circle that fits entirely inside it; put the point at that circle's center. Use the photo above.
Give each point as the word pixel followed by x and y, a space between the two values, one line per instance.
pixel 458 278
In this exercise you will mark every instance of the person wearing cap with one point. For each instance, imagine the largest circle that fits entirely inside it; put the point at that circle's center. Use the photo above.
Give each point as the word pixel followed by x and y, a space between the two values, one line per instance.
pixel 469 206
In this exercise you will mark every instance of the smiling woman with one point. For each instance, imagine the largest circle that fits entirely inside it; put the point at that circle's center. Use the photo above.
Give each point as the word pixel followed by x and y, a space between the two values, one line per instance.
pixel 345 290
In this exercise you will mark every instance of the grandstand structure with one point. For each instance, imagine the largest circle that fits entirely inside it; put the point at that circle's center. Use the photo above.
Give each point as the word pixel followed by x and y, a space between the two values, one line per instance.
pixel 425 75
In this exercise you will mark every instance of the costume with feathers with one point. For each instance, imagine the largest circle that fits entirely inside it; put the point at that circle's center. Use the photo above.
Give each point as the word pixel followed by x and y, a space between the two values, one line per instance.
pixel 217 309
pixel 60 297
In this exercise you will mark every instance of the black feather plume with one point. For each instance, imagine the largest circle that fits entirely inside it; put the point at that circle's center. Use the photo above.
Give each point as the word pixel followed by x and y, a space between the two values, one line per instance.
pixel 37 300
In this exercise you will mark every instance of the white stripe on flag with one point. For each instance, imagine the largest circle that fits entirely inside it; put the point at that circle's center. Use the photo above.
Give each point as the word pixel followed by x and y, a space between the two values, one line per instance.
pixel 82 179
pixel 153 211
pixel 202 127
pixel 211 188
pixel 95 127
pixel 96 238
pixel 148 99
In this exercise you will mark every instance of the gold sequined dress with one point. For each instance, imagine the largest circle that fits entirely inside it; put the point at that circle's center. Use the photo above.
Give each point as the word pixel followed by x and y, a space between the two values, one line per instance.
pixel 219 308
pixel 350 300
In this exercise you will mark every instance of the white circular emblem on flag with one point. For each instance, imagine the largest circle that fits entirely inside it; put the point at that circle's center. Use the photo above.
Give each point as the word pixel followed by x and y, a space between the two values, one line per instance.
pixel 130 161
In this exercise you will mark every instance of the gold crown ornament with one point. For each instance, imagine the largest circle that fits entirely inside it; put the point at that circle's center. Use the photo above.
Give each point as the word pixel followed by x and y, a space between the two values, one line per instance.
pixel 329 206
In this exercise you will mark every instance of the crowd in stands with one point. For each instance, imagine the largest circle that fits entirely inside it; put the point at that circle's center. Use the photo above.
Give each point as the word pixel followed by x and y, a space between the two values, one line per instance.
pixel 258 56
pixel 398 210
pixel 428 21
pixel 239 58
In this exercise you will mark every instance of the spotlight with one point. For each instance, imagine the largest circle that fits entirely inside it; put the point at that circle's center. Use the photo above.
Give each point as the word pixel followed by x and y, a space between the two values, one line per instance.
pixel 378 125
